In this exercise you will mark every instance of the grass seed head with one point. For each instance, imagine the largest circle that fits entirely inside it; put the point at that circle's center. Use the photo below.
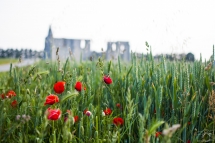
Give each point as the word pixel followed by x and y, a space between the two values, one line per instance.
pixel 212 101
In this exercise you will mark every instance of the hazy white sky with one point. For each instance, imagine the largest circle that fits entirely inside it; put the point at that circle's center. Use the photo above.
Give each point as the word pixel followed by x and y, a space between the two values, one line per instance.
pixel 169 27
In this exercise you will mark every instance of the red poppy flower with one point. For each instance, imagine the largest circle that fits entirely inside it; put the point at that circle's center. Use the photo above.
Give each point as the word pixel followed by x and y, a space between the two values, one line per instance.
pixel 53 114
pixel 157 134
pixel 2 96
pixel 188 123
pixel 107 79
pixel 118 121
pixel 10 93
pixel 107 111
pixel 65 119
pixel 14 103
pixel 85 111
pixel 188 141
pixel 51 99
pixel 78 86
pixel 75 118
pixel 59 87
pixel 118 105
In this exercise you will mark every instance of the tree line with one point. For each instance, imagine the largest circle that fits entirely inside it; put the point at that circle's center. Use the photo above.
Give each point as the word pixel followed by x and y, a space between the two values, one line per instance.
pixel 23 53
pixel 172 57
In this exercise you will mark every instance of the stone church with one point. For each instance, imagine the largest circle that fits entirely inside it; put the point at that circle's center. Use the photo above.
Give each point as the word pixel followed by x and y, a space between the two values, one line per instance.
pixel 80 49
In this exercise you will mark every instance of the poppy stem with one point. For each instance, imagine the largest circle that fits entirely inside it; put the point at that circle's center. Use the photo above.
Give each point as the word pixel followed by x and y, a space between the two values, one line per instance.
pixel 52 126
pixel 118 136
pixel 97 128
pixel 53 133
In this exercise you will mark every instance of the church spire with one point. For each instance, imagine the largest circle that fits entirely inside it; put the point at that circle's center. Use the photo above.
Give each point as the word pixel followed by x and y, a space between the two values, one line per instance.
pixel 50 32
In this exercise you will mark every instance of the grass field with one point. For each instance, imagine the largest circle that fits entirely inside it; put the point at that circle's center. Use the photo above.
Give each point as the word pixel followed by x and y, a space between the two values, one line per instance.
pixel 104 101
pixel 7 61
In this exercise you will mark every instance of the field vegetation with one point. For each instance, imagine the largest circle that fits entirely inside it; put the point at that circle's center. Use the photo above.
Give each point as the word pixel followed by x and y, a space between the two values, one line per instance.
pixel 105 101
pixel 8 61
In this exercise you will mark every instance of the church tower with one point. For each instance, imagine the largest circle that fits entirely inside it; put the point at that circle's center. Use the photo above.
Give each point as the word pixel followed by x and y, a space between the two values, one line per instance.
pixel 48 45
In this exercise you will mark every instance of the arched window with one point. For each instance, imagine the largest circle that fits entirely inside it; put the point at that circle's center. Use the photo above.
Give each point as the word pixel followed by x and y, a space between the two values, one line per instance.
pixel 113 47
pixel 82 44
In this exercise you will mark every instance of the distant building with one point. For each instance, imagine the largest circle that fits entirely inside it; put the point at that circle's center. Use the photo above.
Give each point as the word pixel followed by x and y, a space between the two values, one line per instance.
pixel 78 47
pixel 190 57
pixel 118 49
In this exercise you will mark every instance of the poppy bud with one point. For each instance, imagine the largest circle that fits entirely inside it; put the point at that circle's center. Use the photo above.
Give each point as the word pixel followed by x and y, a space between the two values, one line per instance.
pixel 88 113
